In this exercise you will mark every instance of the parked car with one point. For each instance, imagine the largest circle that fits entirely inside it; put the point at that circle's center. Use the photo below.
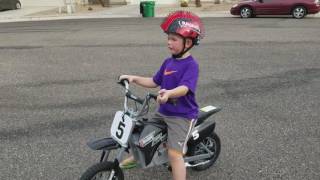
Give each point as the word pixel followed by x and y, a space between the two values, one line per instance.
pixel 9 4
pixel 297 8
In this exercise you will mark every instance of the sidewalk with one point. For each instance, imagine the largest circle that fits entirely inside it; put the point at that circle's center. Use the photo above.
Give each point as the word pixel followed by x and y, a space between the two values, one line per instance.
pixel 82 12
pixel 97 11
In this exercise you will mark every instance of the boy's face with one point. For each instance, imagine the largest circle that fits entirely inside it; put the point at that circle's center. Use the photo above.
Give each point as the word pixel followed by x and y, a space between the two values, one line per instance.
pixel 175 43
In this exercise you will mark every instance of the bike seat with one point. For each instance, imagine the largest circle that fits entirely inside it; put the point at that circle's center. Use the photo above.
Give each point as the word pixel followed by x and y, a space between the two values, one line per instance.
pixel 206 112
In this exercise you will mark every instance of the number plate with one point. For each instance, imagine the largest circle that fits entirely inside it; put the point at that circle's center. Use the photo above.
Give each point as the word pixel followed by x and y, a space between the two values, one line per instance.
pixel 121 128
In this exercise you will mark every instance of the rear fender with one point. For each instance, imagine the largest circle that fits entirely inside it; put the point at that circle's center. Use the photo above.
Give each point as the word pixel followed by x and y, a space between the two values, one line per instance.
pixel 103 144
pixel 201 131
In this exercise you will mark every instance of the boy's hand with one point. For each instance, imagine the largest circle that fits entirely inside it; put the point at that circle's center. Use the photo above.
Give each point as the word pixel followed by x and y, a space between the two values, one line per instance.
pixel 163 96
pixel 130 78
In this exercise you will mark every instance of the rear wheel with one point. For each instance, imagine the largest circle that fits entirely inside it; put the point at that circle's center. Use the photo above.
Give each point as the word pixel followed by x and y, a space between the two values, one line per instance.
pixel 103 170
pixel 299 12
pixel 212 142
pixel 246 12
pixel 17 5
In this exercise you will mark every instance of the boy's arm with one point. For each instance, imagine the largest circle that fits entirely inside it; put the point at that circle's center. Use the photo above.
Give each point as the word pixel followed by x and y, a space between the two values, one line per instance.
pixel 145 82
pixel 165 94
pixel 142 81
pixel 177 92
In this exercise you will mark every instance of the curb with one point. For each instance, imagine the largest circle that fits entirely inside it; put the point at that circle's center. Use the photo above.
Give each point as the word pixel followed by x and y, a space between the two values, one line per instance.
pixel 128 11
pixel 102 16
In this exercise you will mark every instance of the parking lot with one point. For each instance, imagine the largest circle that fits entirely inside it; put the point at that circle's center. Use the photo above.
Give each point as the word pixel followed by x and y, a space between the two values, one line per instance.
pixel 58 89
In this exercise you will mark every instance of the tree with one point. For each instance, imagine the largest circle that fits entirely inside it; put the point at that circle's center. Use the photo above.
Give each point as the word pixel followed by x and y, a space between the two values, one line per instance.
pixel 198 3
pixel 184 3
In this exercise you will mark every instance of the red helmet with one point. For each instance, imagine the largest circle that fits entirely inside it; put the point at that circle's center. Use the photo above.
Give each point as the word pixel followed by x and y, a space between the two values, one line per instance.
pixel 184 23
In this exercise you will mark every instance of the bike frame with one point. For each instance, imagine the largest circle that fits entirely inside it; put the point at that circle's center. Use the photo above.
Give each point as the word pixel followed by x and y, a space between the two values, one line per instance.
pixel 160 157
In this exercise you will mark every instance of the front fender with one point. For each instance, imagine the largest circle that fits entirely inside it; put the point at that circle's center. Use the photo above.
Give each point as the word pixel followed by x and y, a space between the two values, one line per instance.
pixel 103 144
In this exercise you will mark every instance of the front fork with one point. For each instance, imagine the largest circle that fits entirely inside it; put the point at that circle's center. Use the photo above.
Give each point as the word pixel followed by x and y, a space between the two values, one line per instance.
pixel 111 175
pixel 104 157
pixel 105 154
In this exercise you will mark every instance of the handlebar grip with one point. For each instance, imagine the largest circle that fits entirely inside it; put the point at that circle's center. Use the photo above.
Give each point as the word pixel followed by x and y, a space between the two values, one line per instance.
pixel 122 82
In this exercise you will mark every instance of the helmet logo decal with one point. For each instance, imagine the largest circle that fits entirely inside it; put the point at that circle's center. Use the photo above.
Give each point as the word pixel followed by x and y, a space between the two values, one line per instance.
pixel 189 25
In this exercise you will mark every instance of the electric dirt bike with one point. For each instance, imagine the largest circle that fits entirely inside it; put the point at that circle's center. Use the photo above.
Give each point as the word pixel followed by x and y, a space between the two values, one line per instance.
pixel 132 132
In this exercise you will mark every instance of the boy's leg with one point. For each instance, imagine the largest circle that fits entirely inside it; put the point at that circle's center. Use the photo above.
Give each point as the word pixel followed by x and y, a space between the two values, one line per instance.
pixel 177 164
pixel 179 130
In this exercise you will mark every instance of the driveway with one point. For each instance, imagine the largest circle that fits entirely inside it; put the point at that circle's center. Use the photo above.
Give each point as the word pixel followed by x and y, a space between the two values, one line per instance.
pixel 58 89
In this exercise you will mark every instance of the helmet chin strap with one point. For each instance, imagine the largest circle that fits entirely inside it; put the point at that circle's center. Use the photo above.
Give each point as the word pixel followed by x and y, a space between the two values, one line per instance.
pixel 179 55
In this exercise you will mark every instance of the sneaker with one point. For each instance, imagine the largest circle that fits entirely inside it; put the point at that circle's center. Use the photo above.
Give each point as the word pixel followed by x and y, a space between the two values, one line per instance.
pixel 128 165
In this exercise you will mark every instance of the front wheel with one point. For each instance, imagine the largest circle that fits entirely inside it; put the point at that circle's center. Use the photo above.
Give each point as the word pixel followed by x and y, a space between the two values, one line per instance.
pixel 103 170
pixel 212 142
pixel 299 12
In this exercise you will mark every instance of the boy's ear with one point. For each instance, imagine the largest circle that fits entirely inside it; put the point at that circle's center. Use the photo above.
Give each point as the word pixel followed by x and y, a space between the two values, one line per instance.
pixel 188 42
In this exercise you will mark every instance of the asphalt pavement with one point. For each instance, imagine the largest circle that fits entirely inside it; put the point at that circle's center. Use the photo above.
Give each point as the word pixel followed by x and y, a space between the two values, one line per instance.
pixel 58 90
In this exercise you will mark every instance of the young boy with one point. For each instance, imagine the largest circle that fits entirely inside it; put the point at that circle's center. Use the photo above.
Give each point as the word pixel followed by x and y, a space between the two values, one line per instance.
pixel 177 78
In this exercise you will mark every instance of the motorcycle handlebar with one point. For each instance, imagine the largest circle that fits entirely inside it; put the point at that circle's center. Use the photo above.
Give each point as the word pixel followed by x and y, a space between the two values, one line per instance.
pixel 125 83
pixel 133 97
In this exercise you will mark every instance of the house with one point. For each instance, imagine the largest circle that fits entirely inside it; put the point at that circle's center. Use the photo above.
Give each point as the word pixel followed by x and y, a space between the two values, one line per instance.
pixel 58 3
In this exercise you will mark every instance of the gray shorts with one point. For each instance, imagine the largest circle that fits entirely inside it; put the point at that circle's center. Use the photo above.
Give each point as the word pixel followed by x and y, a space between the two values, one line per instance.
pixel 179 130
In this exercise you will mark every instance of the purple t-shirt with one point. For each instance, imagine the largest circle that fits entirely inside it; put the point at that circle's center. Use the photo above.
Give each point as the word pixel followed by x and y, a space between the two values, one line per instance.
pixel 174 73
